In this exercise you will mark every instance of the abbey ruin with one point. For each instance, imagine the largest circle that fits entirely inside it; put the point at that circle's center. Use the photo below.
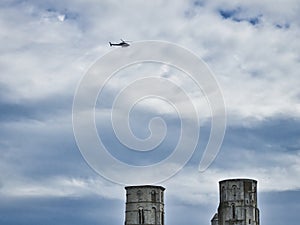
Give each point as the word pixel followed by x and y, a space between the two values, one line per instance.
pixel 237 206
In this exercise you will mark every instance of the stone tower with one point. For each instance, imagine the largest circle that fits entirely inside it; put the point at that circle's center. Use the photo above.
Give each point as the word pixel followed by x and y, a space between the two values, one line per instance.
pixel 144 205
pixel 238 203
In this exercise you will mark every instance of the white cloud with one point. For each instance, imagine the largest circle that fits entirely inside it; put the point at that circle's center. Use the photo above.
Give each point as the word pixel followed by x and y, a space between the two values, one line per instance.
pixel 61 187
pixel 194 187
pixel 245 59
pixel 189 186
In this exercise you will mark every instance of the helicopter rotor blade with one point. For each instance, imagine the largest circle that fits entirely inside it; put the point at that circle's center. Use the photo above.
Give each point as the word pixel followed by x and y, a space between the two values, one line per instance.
pixel 125 40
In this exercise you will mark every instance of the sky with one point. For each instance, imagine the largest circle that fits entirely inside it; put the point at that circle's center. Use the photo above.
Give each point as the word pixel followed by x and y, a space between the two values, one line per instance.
pixel 47 47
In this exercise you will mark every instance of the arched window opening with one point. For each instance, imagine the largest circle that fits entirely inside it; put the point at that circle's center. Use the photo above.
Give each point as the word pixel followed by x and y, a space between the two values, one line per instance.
pixel 223 193
pixel 234 191
pixel 233 211
pixel 154 214
pixel 139 194
pixel 153 196
pixel 162 218
pixel 141 216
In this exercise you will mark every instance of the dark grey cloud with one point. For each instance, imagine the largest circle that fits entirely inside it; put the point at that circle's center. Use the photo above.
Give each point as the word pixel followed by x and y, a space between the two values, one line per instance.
pixel 39 109
pixel 257 144
pixel 279 206
pixel 64 210
pixel 277 132
pixel 194 214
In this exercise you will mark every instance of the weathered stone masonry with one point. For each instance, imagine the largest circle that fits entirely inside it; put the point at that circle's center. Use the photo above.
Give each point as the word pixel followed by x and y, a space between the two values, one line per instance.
pixel 144 205
pixel 238 203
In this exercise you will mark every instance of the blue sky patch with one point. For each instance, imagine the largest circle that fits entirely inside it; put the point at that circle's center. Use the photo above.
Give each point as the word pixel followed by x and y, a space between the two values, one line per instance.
pixel 237 16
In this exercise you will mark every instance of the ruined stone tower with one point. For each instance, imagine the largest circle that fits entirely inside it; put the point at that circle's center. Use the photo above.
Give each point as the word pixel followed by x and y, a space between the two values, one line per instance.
pixel 238 203
pixel 144 205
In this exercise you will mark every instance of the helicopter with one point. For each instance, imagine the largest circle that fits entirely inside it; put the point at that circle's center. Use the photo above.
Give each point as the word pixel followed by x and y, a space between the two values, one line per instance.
pixel 122 44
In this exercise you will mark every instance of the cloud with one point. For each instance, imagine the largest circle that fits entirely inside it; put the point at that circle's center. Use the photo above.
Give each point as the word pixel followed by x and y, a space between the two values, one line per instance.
pixel 58 186
pixel 60 210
